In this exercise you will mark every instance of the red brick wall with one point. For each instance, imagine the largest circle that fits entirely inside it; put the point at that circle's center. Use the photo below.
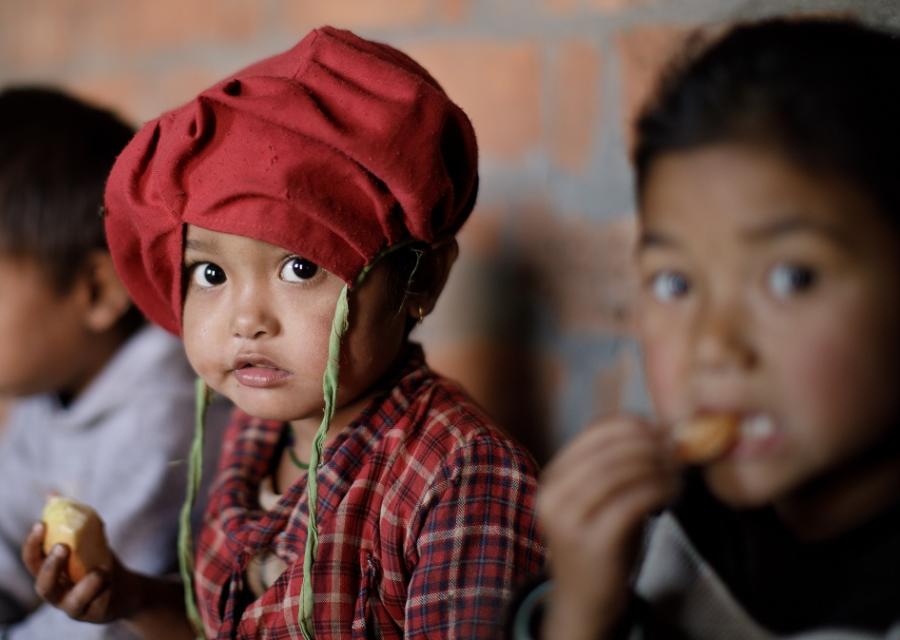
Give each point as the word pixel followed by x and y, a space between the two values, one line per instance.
pixel 535 321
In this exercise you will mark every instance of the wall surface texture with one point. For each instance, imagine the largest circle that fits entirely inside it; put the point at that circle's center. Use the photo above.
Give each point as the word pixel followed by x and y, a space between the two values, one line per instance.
pixel 537 315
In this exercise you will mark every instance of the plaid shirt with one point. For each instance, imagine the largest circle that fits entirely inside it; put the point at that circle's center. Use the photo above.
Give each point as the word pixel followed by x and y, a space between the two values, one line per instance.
pixel 426 522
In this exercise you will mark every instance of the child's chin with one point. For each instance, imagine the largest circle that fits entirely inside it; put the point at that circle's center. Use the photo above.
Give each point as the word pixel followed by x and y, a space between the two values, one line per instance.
pixel 737 491
pixel 267 410
pixel 11 389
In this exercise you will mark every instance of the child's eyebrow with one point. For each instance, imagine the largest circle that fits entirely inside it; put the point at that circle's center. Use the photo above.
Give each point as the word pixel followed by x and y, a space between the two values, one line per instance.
pixel 792 225
pixel 650 239
pixel 197 245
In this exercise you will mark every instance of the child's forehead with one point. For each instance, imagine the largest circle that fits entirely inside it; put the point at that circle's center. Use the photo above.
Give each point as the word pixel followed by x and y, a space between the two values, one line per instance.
pixel 25 270
pixel 197 238
pixel 753 194
pixel 19 261
pixel 752 182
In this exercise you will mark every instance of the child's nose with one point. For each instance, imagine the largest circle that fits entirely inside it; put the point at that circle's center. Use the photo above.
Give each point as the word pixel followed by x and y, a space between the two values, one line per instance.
pixel 253 318
pixel 723 338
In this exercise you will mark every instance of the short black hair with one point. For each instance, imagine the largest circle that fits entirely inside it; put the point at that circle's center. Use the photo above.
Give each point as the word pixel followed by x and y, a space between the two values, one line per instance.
pixel 826 92
pixel 55 154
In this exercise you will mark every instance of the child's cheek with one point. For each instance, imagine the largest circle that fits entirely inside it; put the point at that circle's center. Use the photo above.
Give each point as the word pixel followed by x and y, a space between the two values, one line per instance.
pixel 829 378
pixel 816 367
pixel 194 351
pixel 199 347
pixel 665 368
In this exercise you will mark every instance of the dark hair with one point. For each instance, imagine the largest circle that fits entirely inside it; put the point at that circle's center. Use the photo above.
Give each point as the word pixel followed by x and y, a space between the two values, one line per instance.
pixel 55 154
pixel 825 92
pixel 403 267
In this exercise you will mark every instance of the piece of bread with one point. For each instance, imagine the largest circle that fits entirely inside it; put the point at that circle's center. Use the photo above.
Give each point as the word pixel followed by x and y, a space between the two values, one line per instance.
pixel 705 438
pixel 80 528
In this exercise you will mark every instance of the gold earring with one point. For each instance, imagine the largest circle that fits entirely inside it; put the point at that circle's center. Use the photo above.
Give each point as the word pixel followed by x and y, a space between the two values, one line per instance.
pixel 421 315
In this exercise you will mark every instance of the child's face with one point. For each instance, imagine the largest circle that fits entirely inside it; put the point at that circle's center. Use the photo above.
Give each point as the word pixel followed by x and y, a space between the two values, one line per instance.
pixel 43 331
pixel 771 293
pixel 257 319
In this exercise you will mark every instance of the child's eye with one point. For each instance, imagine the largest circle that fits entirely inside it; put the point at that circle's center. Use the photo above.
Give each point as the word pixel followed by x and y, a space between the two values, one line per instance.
pixel 669 285
pixel 207 274
pixel 298 270
pixel 786 280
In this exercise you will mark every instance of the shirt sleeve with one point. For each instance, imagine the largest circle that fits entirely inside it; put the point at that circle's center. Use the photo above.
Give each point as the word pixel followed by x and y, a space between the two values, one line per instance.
pixel 47 622
pixel 141 480
pixel 478 540
pixel 21 499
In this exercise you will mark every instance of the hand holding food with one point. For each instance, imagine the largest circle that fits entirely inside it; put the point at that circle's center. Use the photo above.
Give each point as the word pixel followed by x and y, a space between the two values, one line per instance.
pixel 704 438
pixel 75 570
pixel 594 502
pixel 80 528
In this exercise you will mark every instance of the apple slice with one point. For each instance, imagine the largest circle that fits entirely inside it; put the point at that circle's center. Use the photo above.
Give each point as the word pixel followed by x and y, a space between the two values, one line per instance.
pixel 77 526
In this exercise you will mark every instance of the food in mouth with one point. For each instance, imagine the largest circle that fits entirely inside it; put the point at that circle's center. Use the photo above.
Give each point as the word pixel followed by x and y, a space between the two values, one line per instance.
pixel 702 439
pixel 80 528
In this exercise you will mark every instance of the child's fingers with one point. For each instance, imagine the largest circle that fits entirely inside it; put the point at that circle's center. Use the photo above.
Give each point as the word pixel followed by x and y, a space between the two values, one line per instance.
pixel 593 544
pixel 83 601
pixel 51 581
pixel 566 514
pixel 32 549
pixel 624 479
pixel 597 439
pixel 592 476
pixel 629 510
pixel 595 462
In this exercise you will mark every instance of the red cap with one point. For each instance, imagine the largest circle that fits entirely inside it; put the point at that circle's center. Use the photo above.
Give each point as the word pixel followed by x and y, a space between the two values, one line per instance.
pixel 334 150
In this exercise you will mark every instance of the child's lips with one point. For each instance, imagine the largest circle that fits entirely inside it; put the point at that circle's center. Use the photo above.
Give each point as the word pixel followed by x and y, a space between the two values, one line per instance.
pixel 258 371
pixel 753 433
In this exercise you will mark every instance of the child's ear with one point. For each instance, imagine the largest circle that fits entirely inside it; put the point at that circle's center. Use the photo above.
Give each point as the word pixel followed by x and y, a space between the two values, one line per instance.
pixel 107 299
pixel 430 278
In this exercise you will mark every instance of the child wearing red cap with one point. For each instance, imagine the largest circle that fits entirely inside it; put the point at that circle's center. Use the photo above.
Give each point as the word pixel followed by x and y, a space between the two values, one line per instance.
pixel 294 220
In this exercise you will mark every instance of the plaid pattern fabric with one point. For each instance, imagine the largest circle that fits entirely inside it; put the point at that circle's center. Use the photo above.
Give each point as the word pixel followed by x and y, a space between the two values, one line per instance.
pixel 426 523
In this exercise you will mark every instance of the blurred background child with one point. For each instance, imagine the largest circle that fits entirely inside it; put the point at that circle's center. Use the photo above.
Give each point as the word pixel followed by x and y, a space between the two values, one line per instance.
pixel 769 256
pixel 104 402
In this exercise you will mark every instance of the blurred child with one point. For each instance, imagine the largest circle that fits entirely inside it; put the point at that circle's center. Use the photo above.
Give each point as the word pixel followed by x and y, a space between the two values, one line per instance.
pixel 295 219
pixel 102 399
pixel 769 252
